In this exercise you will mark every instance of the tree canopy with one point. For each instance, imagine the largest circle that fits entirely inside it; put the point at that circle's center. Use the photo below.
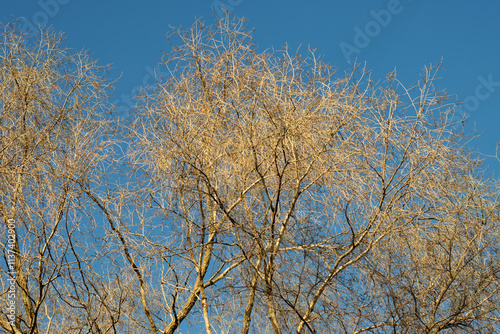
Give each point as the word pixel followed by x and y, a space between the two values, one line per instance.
pixel 258 191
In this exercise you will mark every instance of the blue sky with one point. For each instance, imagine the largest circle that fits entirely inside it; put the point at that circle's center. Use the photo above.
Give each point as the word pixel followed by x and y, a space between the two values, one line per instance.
pixel 386 34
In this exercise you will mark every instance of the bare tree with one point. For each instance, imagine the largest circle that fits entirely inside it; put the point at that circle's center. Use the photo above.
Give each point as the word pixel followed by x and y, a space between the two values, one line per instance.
pixel 53 138
pixel 261 192
pixel 283 184
pixel 441 273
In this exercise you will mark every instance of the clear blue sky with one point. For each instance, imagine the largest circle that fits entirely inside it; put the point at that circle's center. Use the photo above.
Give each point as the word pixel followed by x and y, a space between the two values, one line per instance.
pixel 404 34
